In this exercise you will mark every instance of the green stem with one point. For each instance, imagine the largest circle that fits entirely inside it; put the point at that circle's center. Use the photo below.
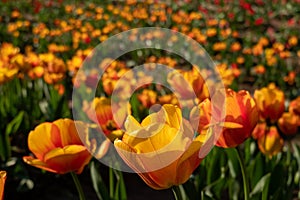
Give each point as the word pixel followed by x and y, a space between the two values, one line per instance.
pixel 111 183
pixel 245 179
pixel 78 186
pixel 177 192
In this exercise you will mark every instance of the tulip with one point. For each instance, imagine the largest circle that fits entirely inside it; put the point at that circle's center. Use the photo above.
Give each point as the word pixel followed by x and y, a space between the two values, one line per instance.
pixel 259 130
pixel 240 119
pixel 270 102
pixel 148 98
pixel 2 183
pixel 270 143
pixel 162 149
pixel 189 84
pixel 288 123
pixel 294 106
pixel 58 147
pixel 100 111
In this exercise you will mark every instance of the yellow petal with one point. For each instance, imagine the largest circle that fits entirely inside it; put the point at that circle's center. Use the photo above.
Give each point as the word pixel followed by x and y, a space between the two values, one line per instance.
pixel 43 138
pixel 173 115
pixel 131 124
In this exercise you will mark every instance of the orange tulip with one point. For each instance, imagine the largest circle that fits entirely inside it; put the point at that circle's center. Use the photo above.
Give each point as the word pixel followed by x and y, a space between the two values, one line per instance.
pixel 162 149
pixel 57 147
pixel 241 117
pixel 188 84
pixel 294 106
pixel 288 123
pixel 259 130
pixel 148 98
pixel 270 143
pixel 2 183
pixel 270 102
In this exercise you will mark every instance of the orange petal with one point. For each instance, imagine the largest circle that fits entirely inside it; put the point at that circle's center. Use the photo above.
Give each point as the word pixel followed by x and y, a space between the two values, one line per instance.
pixel 67 159
pixel 38 163
pixel 189 161
pixel 2 183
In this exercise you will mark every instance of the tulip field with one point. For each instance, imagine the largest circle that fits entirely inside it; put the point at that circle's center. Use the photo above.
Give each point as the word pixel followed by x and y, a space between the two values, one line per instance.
pixel 130 99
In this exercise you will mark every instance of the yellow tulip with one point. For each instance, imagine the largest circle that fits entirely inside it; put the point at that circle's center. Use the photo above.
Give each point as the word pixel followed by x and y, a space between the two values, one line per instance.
pixel 162 149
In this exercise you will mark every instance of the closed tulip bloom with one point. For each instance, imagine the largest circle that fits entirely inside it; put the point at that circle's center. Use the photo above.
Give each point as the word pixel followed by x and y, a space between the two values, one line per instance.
pixel 288 123
pixel 270 102
pixel 241 117
pixel 294 106
pixel 240 109
pixel 188 84
pixel 58 147
pixel 2 183
pixel 162 149
pixel 259 130
pixel 270 143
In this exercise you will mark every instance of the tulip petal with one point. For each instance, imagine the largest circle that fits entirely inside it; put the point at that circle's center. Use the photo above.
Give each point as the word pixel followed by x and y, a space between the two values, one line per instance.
pixel 173 115
pixel 43 138
pixel 158 179
pixel 2 183
pixel 38 163
pixel 189 161
pixel 131 158
pixel 154 138
pixel 69 158
pixel 131 124
pixel 68 131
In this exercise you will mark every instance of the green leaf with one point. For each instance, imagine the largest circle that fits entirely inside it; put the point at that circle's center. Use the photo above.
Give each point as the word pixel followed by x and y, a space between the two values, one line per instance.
pixel 234 189
pixel 190 190
pixel 14 125
pixel 214 165
pixel 233 162
pixel 120 190
pixel 262 185
pixel 277 179
pixel 256 169
pixel 98 184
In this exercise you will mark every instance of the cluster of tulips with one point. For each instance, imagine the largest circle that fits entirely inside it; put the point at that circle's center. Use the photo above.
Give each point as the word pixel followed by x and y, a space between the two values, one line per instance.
pixel 85 26
pixel 275 124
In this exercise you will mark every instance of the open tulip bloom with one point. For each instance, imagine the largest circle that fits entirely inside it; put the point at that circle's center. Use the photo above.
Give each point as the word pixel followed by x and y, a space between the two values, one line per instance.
pixel 58 147
pixel 162 149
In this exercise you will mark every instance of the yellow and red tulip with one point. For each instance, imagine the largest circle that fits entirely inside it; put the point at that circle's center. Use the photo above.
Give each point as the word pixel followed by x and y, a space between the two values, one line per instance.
pixel 241 117
pixel 270 143
pixel 100 111
pixel 162 149
pixel 57 147
pixel 270 102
